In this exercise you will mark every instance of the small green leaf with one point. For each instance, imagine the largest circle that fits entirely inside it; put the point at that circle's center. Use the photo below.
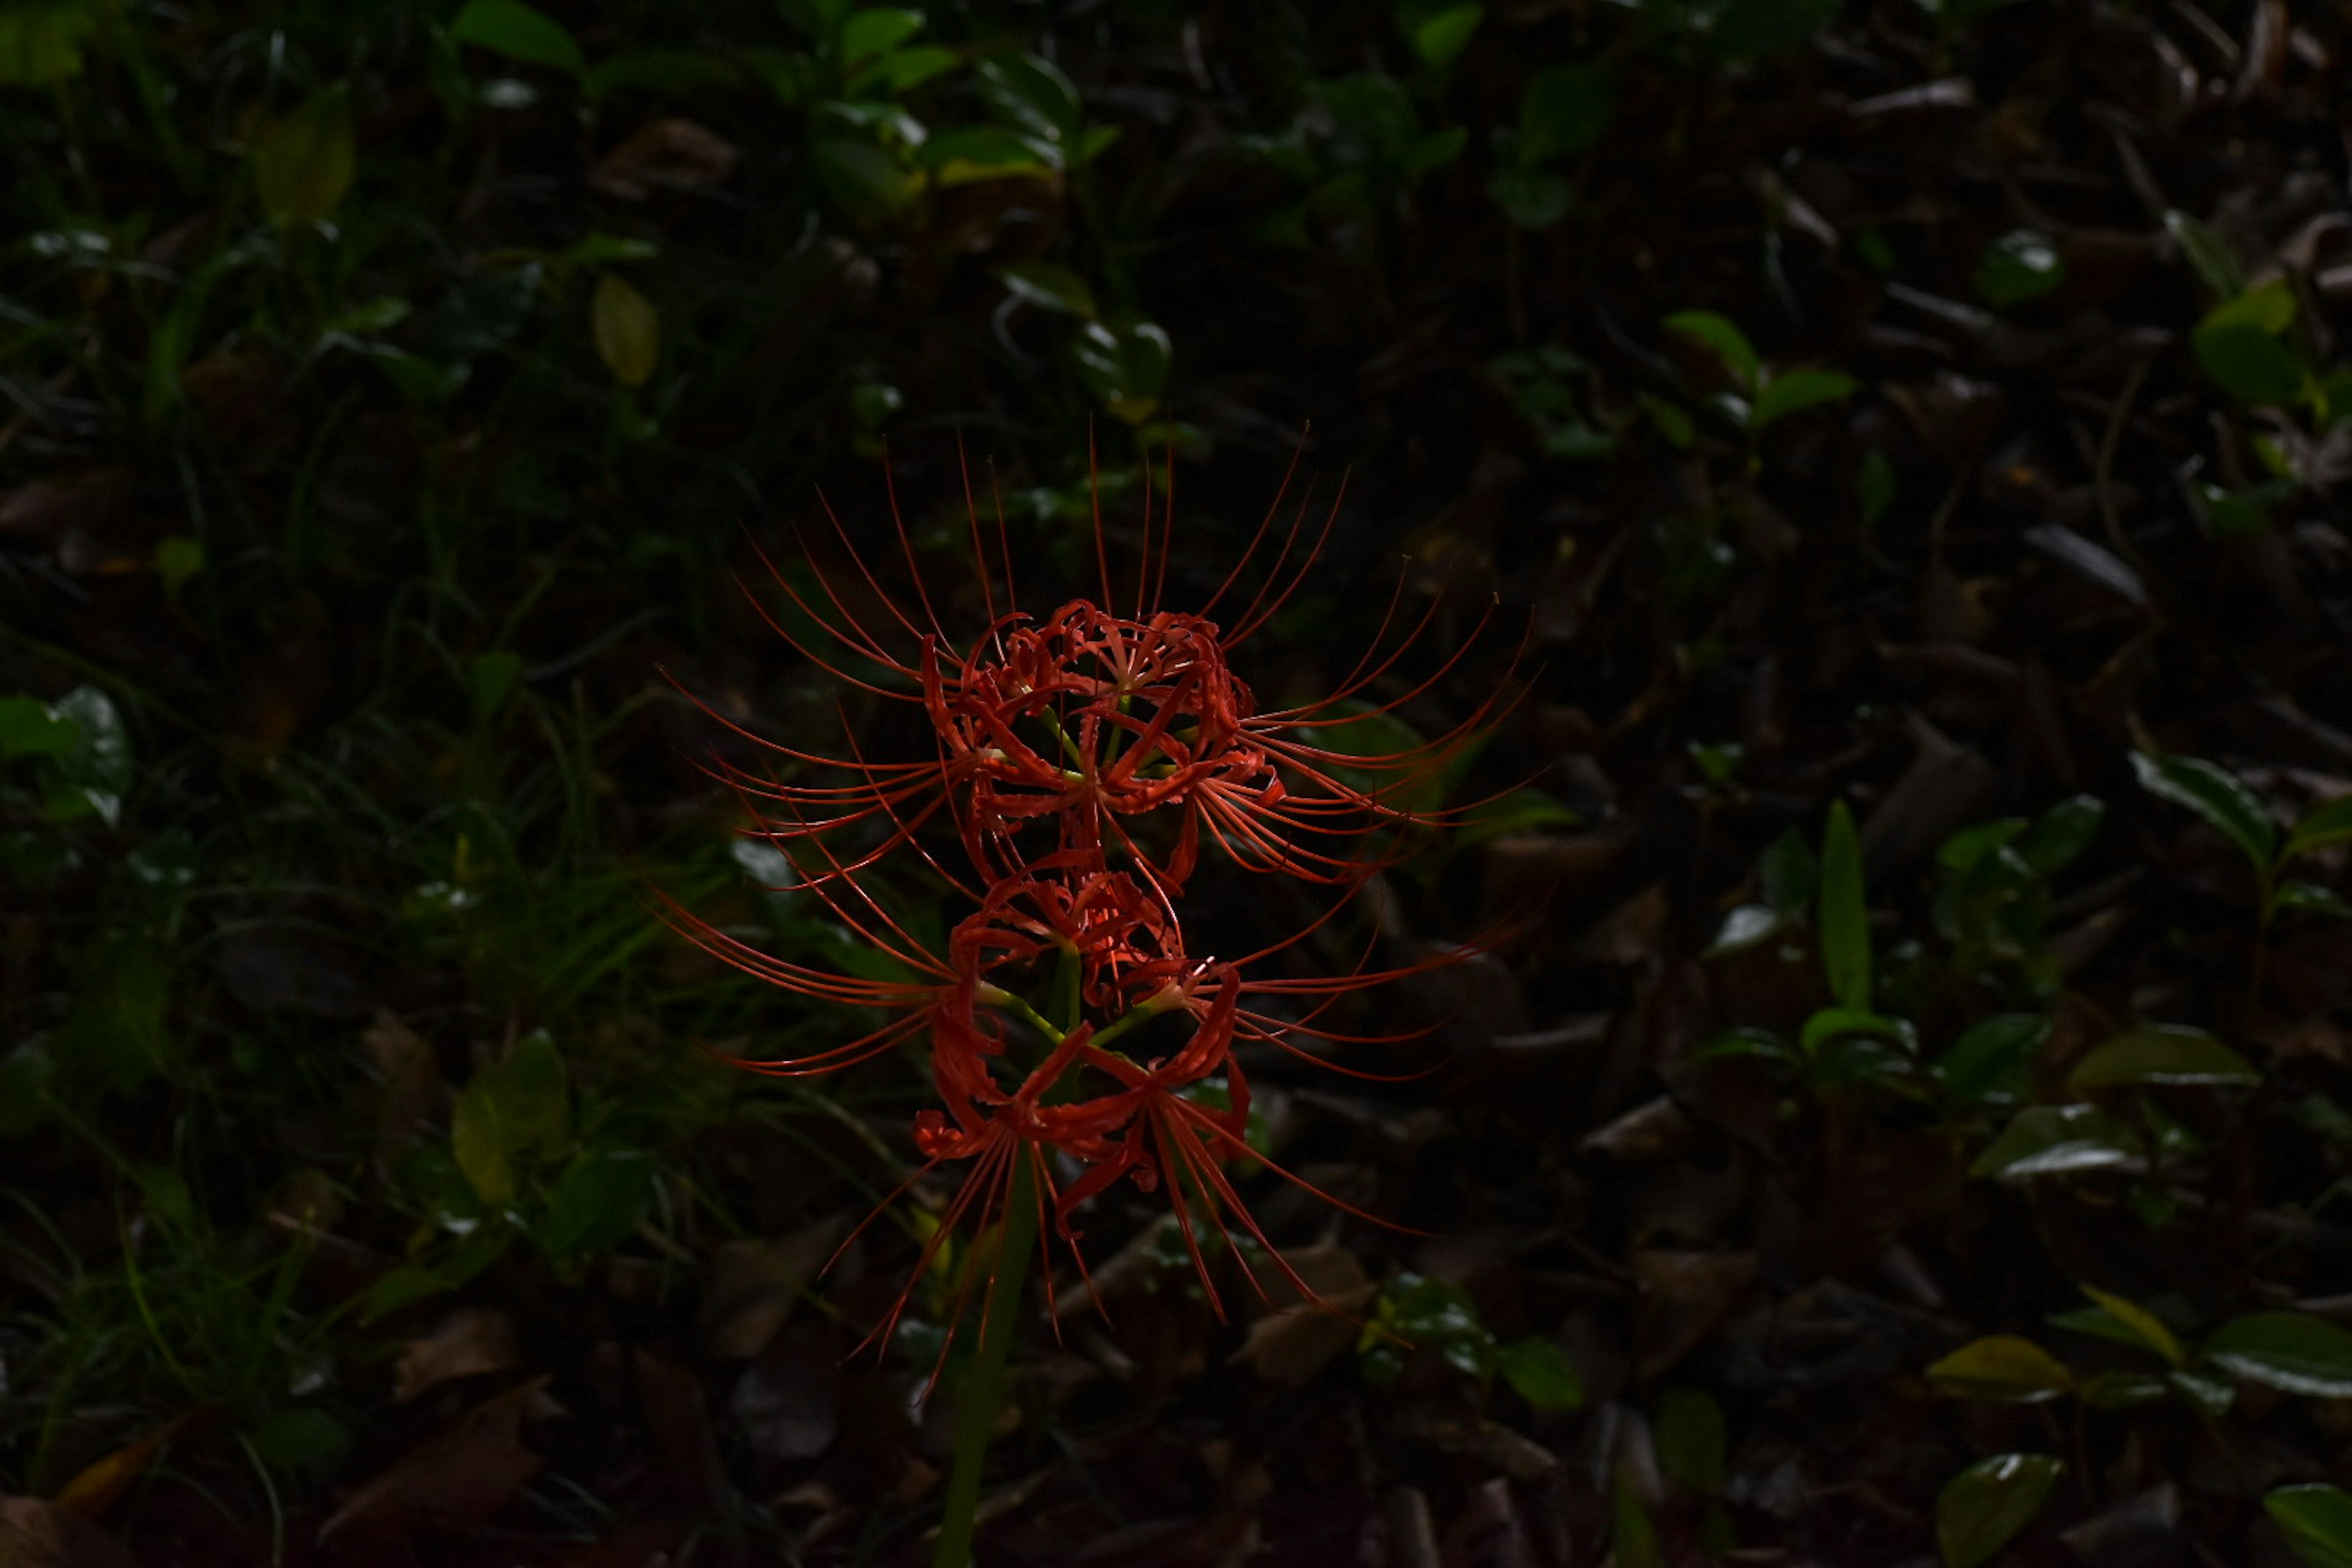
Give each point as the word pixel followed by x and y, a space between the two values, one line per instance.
pixel 305 164
pixel 489 676
pixel 2288 1351
pixel 29 729
pixel 2004 1367
pixel 1531 199
pixel 2161 1054
pixel 1673 423
pixel 1844 1023
pixel 1694 1442
pixel 2140 1325
pixel 1126 366
pixel 1844 913
pixel 2328 822
pixel 2269 309
pixel 1992 1061
pixel 627 330
pixel 2316 1521
pixel 1540 1374
pixel 178 557
pixel 2249 364
pixel 2021 265
pixel 862 179
pixel 1441 39
pixel 1793 392
pixel 2060 1140
pixel 596 1203
pixel 519 32
pixel 1985 1507
pixel 1430 1314
pixel 2215 796
pixel 1566 109
pixel 867 33
pixel 520 1105
pixel 100 756
pixel 964 154
pixel 1031 94
pixel 1729 343
pixel 1049 285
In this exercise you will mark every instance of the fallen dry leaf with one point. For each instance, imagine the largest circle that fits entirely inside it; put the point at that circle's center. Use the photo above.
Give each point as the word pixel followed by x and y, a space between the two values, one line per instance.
pixel 36 1535
pixel 467 1342
pixel 673 154
pixel 462 1474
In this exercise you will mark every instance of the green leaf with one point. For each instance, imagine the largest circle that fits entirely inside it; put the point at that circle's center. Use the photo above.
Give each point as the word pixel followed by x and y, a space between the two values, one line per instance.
pixel 864 181
pixel 963 155
pixel 627 330
pixel 2297 894
pixel 2286 1351
pixel 2161 1054
pixel 1033 95
pixel 1873 486
pixel 1528 810
pixel 178 557
pixel 900 70
pixel 1993 1060
pixel 1440 39
pixel 40 44
pixel 1531 199
pixel 2060 1140
pixel 519 32
pixel 1789 874
pixel 1126 366
pixel 1984 1508
pixel 867 33
pixel 1539 1373
pixel 2328 822
pixel 100 756
pixel 2269 309
pixel 489 676
pixel 2062 833
pixel 1694 1442
pixel 2021 265
pixel 2004 1367
pixel 1673 423
pixel 1844 913
pixel 1793 392
pixel 2140 1326
pixel 1430 1314
pixel 1565 108
pixel 28 728
pixel 521 1105
pixel 2215 796
pixel 2208 256
pixel 1840 1023
pixel 2316 1521
pixel 596 1203
pixel 305 164
pixel 1729 343
pixel 1049 285
pixel 2249 364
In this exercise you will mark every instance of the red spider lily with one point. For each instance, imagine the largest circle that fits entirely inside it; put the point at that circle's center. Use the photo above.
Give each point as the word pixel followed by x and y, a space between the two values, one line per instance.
pixel 1093 718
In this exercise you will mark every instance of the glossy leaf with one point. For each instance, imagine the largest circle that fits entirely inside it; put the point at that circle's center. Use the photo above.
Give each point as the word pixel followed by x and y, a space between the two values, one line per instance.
pixel 627 330
pixel 1793 392
pixel 28 728
pixel 1844 913
pixel 1050 286
pixel 2288 1351
pixel 2005 1367
pixel 2316 1521
pixel 1440 39
pixel 2216 795
pixel 2021 265
pixel 519 32
pixel 870 32
pixel 2327 823
pixel 1993 1059
pixel 1540 1374
pixel 1729 343
pixel 2249 363
pixel 2161 1054
pixel 305 164
pixel 1127 366
pixel 2060 1140
pixel 1985 1506
pixel 2269 309
pixel 2139 1325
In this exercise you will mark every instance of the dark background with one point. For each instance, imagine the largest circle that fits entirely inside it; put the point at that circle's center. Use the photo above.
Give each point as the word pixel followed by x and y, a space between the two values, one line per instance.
pixel 399 400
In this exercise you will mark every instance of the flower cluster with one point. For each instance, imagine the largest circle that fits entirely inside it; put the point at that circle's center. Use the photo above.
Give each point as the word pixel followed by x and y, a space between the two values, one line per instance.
pixel 1082 763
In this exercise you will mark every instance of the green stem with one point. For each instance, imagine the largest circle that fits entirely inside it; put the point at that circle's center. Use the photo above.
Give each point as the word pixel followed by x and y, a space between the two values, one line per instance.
pixel 983 1394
